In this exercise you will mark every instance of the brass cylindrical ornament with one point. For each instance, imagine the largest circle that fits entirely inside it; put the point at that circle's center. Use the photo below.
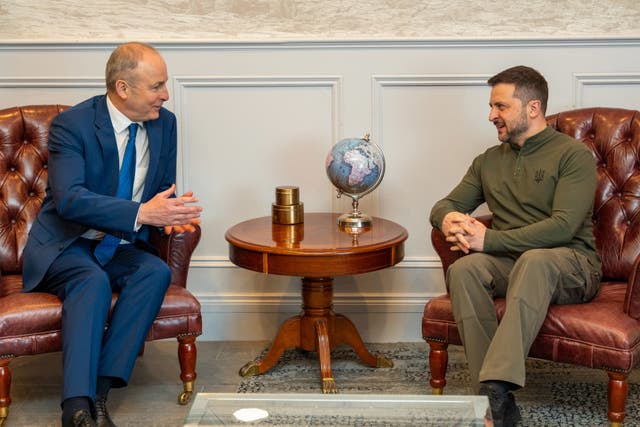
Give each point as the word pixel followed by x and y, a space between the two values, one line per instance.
pixel 287 195
pixel 293 214
pixel 287 208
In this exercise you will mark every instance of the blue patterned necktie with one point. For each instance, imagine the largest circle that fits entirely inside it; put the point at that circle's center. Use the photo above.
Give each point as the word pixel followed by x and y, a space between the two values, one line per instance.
pixel 107 247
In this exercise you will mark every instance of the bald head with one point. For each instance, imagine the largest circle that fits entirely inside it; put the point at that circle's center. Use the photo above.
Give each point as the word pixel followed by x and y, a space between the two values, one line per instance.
pixel 123 62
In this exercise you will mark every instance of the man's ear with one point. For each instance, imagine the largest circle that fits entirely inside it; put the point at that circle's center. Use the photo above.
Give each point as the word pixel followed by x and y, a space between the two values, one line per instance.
pixel 122 89
pixel 534 108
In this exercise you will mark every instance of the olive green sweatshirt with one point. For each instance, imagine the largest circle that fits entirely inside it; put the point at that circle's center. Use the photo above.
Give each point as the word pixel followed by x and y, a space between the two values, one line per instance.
pixel 540 195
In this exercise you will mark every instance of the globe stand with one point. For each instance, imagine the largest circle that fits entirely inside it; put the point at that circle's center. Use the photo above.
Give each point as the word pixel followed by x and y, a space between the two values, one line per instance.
pixel 354 222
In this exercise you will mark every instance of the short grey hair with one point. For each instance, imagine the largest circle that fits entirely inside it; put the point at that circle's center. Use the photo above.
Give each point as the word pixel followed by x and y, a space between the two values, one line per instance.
pixel 123 61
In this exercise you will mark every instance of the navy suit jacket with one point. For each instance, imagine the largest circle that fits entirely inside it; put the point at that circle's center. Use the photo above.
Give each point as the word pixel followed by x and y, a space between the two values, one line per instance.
pixel 83 179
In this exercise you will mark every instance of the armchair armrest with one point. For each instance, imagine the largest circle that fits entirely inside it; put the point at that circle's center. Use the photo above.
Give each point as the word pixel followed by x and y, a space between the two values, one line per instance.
pixel 442 247
pixel 632 297
pixel 176 250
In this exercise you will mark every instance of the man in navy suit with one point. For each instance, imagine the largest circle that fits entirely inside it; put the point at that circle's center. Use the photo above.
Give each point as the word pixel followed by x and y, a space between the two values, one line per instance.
pixel 86 145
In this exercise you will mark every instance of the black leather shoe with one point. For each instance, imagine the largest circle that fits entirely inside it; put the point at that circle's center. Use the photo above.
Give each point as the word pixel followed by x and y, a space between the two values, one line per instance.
pixel 504 411
pixel 81 418
pixel 102 415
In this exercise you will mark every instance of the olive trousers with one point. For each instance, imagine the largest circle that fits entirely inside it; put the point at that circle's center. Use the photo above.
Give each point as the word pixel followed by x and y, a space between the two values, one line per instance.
pixel 530 283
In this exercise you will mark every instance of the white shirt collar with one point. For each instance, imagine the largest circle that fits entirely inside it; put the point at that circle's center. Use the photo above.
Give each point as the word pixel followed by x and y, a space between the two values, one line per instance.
pixel 119 121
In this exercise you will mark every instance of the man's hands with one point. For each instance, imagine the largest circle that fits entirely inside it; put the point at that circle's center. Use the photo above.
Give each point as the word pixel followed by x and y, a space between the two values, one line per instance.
pixel 464 232
pixel 172 213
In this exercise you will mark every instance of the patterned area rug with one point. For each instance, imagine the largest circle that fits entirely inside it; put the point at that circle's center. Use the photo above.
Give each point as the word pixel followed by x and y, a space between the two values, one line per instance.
pixel 556 394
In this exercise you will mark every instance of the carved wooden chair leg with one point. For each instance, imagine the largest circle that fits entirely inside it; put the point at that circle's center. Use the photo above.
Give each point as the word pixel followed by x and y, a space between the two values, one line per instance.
pixel 5 388
pixel 438 359
pixel 187 354
pixel 617 394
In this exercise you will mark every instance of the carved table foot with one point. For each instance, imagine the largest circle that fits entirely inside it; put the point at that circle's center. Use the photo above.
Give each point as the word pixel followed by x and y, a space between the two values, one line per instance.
pixel 250 369
pixel 329 386
pixel 324 354
pixel 347 333
pixel 383 362
pixel 288 336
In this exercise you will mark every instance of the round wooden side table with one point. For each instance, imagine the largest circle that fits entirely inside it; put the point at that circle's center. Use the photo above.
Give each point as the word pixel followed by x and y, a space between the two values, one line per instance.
pixel 316 250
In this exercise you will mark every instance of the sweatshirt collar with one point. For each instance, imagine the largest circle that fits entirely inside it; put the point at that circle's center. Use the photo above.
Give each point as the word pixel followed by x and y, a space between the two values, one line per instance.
pixel 534 142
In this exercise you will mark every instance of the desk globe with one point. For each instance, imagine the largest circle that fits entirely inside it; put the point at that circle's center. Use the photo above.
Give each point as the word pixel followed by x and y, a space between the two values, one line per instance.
pixel 355 166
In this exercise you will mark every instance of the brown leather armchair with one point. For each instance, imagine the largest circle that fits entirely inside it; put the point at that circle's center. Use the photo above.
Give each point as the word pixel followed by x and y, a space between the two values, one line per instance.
pixel 30 323
pixel 604 333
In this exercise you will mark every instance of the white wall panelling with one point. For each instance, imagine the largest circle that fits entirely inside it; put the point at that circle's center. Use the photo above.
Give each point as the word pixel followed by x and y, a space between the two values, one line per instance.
pixel 246 136
pixel 608 89
pixel 423 104
pixel 48 90
pixel 253 116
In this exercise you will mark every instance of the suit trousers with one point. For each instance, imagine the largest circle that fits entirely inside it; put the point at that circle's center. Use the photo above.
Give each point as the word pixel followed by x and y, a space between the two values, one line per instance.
pixel 92 345
pixel 530 283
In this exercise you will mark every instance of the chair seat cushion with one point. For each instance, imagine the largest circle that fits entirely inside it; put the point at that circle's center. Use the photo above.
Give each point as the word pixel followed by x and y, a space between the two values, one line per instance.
pixel 596 334
pixel 30 323
pixel 179 315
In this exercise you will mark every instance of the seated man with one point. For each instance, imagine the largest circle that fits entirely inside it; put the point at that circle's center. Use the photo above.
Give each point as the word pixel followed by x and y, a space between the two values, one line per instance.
pixel 539 185
pixel 91 235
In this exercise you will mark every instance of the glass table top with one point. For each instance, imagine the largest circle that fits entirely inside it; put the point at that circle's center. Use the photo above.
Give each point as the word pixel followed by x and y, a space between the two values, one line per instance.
pixel 238 409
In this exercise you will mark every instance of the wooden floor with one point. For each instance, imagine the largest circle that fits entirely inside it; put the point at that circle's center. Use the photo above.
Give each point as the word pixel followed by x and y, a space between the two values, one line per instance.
pixel 150 400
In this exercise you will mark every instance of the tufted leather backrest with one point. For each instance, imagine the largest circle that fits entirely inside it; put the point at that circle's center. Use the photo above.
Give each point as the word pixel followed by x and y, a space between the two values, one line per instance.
pixel 24 132
pixel 613 135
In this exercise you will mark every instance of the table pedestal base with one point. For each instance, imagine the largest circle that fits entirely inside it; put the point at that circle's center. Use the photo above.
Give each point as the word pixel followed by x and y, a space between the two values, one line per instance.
pixel 317 328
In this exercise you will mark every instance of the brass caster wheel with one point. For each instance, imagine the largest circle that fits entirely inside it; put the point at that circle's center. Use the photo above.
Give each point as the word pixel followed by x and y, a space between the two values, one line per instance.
pixel 185 396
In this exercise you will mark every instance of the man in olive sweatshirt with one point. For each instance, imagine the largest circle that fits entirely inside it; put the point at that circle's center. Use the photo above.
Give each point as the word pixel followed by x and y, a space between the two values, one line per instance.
pixel 539 185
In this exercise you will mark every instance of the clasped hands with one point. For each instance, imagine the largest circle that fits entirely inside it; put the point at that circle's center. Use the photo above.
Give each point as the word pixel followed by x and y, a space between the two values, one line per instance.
pixel 176 214
pixel 464 232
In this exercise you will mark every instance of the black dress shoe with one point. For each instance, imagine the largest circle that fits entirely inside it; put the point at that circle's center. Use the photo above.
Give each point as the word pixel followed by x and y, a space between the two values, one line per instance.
pixel 81 418
pixel 102 415
pixel 504 411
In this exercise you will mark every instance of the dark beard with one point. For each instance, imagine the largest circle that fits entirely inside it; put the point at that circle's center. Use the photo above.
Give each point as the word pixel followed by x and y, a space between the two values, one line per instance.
pixel 520 128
